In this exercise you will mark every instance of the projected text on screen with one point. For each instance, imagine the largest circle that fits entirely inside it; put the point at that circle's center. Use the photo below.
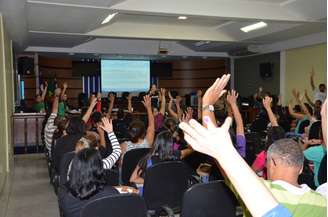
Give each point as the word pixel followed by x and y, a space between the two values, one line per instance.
pixel 125 75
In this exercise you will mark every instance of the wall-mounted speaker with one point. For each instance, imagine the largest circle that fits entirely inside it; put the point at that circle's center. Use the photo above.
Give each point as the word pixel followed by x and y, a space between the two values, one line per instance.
pixel 25 66
pixel 266 70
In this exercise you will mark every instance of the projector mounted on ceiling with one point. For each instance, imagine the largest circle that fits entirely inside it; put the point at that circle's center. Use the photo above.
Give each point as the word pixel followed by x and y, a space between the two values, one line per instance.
pixel 162 51
pixel 201 43
pixel 241 52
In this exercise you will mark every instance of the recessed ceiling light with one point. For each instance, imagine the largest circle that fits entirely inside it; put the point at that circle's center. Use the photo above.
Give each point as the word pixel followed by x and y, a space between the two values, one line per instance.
pixel 254 26
pixel 182 17
pixel 109 17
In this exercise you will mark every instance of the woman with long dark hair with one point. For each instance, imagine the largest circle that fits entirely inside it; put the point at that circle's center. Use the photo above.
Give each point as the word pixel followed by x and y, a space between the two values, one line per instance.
pixel 162 151
pixel 86 182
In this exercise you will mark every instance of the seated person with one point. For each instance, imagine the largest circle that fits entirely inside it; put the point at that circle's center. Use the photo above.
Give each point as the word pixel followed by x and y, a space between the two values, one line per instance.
pixel 75 130
pixel 53 122
pixel 162 151
pixel 284 164
pixel 90 141
pixel 140 137
pixel 159 114
pixel 240 134
pixel 275 132
pixel 86 183
pixel 319 93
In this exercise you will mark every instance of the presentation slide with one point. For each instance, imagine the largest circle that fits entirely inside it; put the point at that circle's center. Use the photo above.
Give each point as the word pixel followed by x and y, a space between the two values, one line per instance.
pixel 125 75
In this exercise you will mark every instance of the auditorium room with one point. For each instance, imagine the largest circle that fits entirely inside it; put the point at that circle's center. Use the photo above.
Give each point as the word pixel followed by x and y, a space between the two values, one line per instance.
pixel 163 108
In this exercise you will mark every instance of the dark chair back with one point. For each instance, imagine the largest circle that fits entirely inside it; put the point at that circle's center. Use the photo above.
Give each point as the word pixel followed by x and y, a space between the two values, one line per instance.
pixel 165 184
pixel 130 161
pixel 315 130
pixel 112 177
pixel 213 199
pixel 121 205
pixel 303 124
pixel 322 173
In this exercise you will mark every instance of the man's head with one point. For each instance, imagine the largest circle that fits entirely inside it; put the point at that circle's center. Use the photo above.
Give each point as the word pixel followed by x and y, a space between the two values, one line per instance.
pixel 322 88
pixel 284 161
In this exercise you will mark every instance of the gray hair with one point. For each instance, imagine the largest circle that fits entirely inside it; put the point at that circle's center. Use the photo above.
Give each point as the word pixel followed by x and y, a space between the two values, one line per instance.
pixel 287 151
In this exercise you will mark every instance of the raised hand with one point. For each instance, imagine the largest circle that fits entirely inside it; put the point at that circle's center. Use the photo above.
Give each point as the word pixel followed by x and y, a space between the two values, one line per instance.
pixel 312 73
pixel 163 91
pixel 296 93
pixel 100 130
pixel 65 85
pixel 199 93
pixel 99 96
pixel 185 117
pixel 57 92
pixel 260 89
pixel 111 97
pixel 107 125
pixel 129 97
pixel 178 99
pixel 232 97
pixel 267 102
pixel 170 96
pixel 147 102
pixel 45 84
pixel 212 141
pixel 93 101
pixel 216 90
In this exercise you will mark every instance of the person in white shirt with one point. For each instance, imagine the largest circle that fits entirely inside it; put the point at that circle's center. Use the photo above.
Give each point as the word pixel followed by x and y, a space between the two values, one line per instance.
pixel 319 94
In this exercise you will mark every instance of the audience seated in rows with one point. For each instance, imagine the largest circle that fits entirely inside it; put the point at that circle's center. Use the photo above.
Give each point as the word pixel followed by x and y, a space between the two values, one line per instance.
pixel 82 149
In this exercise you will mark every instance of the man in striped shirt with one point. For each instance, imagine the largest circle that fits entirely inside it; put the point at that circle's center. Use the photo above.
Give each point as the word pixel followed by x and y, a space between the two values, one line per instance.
pixel 51 127
pixel 284 164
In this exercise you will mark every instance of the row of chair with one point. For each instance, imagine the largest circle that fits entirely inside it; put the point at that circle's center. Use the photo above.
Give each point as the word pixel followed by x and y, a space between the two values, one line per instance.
pixel 212 199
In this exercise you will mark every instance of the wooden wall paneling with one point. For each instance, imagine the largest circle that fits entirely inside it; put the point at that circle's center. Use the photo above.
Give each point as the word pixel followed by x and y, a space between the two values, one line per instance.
pixel 54 62
pixel 61 69
pixel 197 64
pixel 205 73
pixel 29 82
pixel 191 75
pixel 30 93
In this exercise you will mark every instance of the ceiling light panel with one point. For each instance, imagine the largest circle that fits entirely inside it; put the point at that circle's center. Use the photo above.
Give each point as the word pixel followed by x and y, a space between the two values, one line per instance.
pixel 254 26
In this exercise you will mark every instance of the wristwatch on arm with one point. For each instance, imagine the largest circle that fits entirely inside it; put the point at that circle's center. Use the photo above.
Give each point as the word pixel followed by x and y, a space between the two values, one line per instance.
pixel 209 108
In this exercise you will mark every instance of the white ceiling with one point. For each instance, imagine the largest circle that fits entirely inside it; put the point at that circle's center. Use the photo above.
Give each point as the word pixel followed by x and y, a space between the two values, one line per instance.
pixel 71 25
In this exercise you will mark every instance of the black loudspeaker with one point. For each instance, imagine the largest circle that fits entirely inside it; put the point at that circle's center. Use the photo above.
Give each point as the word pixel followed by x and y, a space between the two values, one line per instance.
pixel 158 69
pixel 25 66
pixel 266 70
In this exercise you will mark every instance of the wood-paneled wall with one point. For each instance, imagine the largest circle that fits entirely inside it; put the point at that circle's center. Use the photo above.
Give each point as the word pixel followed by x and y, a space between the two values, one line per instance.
pixel 191 75
pixel 50 68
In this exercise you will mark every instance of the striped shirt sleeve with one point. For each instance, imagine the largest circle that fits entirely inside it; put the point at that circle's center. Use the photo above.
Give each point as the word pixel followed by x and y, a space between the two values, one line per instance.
pixel 49 130
pixel 115 155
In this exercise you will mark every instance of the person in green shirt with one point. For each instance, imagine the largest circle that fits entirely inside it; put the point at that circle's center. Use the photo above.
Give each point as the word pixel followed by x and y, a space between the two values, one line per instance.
pixel 63 99
pixel 315 154
pixel 284 164
pixel 39 105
